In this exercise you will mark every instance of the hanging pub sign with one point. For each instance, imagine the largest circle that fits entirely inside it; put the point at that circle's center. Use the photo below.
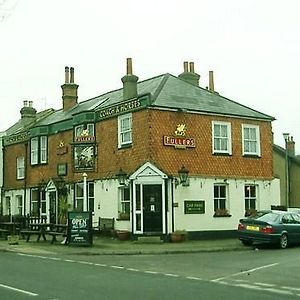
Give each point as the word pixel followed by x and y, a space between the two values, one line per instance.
pixel 179 140
pixel 80 228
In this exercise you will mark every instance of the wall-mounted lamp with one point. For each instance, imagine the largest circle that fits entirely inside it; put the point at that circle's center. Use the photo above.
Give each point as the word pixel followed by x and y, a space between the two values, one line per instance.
pixel 183 177
pixel 121 176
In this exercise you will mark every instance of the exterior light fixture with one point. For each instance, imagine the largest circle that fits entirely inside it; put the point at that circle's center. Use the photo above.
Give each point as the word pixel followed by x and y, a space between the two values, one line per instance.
pixel 121 176
pixel 286 137
pixel 183 176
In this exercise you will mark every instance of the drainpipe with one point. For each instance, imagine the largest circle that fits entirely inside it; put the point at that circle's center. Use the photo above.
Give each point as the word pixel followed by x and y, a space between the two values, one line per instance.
pixel 172 203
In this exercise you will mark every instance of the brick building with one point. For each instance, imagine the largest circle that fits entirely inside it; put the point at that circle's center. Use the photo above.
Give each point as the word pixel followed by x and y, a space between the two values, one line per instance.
pixel 157 155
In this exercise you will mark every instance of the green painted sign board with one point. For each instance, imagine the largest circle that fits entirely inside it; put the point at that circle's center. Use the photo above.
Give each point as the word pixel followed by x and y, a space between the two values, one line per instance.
pixel 80 228
pixel 194 207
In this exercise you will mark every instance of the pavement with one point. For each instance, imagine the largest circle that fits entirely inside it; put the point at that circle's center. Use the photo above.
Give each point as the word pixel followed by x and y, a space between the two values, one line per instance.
pixel 113 246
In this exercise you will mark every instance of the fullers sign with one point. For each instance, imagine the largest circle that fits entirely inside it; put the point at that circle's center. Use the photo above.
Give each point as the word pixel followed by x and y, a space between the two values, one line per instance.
pixel 179 140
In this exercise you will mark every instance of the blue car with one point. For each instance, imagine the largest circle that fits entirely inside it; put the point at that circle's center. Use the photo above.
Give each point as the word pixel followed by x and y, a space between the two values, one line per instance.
pixel 280 228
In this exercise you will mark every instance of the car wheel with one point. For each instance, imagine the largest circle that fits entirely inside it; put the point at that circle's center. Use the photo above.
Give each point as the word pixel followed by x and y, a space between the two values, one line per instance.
pixel 283 242
pixel 246 242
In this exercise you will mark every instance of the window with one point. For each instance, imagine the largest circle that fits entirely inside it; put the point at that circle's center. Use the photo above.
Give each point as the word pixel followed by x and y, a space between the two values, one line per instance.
pixel 250 199
pixel 43 149
pixel 34 144
pixel 91 195
pixel 34 205
pixel 79 196
pixel 220 199
pixel 251 141
pixel 124 130
pixel 19 199
pixel 20 167
pixel 222 137
pixel 124 203
pixel 39 150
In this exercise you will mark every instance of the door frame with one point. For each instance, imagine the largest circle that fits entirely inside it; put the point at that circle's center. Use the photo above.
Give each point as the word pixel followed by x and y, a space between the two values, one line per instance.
pixel 146 175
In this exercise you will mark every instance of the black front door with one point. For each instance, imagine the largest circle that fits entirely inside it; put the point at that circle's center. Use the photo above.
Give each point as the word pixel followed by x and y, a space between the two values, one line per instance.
pixel 152 207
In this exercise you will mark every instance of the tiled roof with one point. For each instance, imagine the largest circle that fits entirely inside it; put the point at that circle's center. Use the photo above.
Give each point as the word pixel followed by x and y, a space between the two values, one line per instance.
pixel 167 91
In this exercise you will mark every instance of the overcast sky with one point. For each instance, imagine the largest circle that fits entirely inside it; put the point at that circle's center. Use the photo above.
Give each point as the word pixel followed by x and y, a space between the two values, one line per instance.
pixel 253 47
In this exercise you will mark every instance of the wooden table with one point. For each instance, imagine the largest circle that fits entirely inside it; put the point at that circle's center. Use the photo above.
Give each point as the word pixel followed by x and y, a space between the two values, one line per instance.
pixel 57 230
pixel 39 229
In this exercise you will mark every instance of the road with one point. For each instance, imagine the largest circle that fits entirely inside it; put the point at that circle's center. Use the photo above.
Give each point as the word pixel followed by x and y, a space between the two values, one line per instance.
pixel 263 274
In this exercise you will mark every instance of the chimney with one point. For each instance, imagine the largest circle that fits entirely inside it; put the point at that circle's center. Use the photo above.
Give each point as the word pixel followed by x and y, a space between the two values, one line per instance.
pixel 69 89
pixel 189 74
pixel 28 113
pixel 290 145
pixel 211 86
pixel 129 82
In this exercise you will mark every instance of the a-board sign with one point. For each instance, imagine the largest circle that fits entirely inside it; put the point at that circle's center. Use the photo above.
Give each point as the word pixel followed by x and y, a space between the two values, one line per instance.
pixel 80 228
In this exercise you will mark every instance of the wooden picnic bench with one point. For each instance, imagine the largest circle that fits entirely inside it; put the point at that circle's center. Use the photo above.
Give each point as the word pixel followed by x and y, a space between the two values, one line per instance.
pixel 35 226
pixel 57 230
pixel 105 226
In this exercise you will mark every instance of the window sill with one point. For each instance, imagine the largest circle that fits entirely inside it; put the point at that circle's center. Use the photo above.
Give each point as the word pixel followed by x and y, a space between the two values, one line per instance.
pixel 222 216
pixel 123 219
pixel 125 146
pixel 251 155
pixel 221 154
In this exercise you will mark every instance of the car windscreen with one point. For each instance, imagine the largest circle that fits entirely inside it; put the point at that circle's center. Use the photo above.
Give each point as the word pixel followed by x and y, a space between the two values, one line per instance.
pixel 266 217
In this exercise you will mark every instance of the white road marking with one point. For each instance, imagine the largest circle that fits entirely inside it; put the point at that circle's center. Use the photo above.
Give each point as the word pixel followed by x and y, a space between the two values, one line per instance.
pixel 117 267
pixel 132 269
pixel 18 290
pixel 171 275
pixel 150 272
pixel 100 265
pixel 194 278
pixel 245 272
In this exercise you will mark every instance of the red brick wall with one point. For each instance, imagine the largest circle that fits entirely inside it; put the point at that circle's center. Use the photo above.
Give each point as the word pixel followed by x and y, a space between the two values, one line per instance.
pixel 200 160
pixel 149 127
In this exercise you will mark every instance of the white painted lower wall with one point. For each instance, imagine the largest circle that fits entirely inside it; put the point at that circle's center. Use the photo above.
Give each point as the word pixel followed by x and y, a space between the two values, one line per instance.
pixel 202 189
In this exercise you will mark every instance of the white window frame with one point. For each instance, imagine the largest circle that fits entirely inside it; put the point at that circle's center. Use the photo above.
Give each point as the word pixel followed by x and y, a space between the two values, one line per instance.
pixel 250 198
pixel 122 132
pixel 124 202
pixel 223 139
pixel 39 150
pixel 20 167
pixel 43 149
pixel 19 200
pixel 34 150
pixel 80 198
pixel 220 199
pixel 251 140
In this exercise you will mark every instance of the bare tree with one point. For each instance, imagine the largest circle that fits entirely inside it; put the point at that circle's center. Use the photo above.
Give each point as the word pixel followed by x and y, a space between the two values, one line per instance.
pixel 6 8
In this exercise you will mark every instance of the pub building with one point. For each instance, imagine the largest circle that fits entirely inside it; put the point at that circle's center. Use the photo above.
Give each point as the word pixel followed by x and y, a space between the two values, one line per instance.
pixel 158 155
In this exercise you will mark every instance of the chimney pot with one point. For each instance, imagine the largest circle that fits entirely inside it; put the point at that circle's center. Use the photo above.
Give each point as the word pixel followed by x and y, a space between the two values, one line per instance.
pixel 211 81
pixel 67 75
pixel 192 67
pixel 185 66
pixel 25 103
pixel 71 75
pixel 129 66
